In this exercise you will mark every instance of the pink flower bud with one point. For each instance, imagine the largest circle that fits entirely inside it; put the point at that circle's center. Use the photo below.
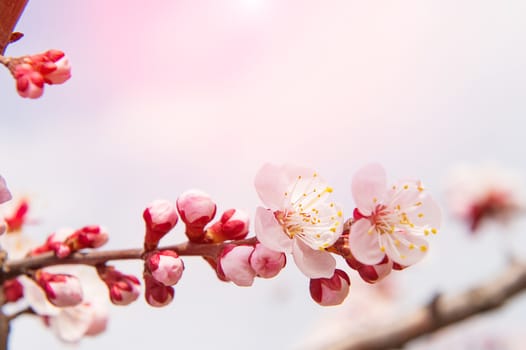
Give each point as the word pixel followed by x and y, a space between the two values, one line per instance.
pixel 61 69
pixel 61 290
pixel 165 266
pixel 123 289
pixel 5 195
pixel 160 217
pixel 18 217
pixel 330 291
pixel 265 262
pixel 375 273
pixel 87 237
pixel 233 225
pixel 156 293
pixel 54 243
pixel 99 320
pixel 29 83
pixel 13 290
pixel 196 209
pixel 235 266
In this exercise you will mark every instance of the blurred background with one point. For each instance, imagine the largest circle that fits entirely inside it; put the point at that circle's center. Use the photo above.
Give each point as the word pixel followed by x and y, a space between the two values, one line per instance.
pixel 172 95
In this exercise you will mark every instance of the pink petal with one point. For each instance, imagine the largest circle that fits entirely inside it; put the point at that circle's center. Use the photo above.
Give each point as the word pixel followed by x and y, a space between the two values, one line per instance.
pixel 368 183
pixel 271 184
pixel 5 195
pixel 312 262
pixel 404 193
pixel 428 213
pixel 270 233
pixel 364 244
pixel 404 248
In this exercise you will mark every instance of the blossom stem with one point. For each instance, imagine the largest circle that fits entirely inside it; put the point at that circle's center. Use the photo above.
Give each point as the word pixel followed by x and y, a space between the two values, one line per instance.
pixel 10 12
pixel 18 267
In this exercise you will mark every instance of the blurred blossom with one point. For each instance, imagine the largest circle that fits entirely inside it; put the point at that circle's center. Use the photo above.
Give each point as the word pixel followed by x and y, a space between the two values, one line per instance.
pixel 481 193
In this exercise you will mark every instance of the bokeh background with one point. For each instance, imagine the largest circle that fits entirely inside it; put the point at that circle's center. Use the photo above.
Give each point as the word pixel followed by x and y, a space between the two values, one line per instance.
pixel 172 95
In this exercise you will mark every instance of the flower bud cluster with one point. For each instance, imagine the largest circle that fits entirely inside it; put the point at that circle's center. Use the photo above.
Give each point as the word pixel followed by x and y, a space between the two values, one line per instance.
pixel 66 242
pixel 240 264
pixel 32 72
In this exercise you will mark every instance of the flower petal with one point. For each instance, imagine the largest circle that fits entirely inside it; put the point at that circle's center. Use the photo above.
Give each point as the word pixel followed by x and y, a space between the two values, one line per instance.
pixel 270 233
pixel 36 298
pixel 364 243
pixel 313 263
pixel 427 213
pixel 5 195
pixel 72 323
pixel 369 183
pixel 404 248
pixel 271 184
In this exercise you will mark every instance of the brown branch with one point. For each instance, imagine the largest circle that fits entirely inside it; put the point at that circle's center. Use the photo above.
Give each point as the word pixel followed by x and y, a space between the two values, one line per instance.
pixel 10 12
pixel 441 312
pixel 15 268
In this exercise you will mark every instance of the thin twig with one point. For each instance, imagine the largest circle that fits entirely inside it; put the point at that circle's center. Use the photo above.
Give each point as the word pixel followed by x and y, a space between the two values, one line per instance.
pixel 26 311
pixel 16 268
pixel 442 311
pixel 10 12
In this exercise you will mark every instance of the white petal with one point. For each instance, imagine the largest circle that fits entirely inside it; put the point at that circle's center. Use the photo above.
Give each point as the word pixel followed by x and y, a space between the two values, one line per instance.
pixel 369 183
pixel 363 242
pixel 271 184
pixel 404 248
pixel 427 213
pixel 36 298
pixel 270 233
pixel 72 323
pixel 313 263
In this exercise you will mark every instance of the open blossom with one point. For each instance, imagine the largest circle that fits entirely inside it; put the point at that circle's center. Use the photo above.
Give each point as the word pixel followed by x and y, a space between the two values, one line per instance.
pixel 299 219
pixel 71 324
pixel 480 193
pixel 391 220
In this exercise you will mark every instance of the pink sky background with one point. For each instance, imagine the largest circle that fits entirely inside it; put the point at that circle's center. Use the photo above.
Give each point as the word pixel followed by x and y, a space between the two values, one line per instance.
pixel 180 94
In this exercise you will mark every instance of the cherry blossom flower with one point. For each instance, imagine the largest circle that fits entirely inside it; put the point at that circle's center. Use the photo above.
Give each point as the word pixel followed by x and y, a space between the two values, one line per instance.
pixel 71 324
pixel 233 225
pixel 392 220
pixel 265 262
pixel 481 193
pixel 165 266
pixel 234 265
pixel 160 217
pixel 196 209
pixel 156 293
pixel 62 290
pixel 299 219
pixel 330 291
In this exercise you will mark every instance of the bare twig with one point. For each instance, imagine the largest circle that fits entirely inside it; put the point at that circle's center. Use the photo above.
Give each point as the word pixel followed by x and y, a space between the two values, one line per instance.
pixel 443 311
pixel 15 268
pixel 10 11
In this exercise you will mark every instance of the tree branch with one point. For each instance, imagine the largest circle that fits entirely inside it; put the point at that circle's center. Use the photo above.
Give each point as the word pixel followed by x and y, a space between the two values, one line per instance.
pixel 16 268
pixel 441 312
pixel 10 12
